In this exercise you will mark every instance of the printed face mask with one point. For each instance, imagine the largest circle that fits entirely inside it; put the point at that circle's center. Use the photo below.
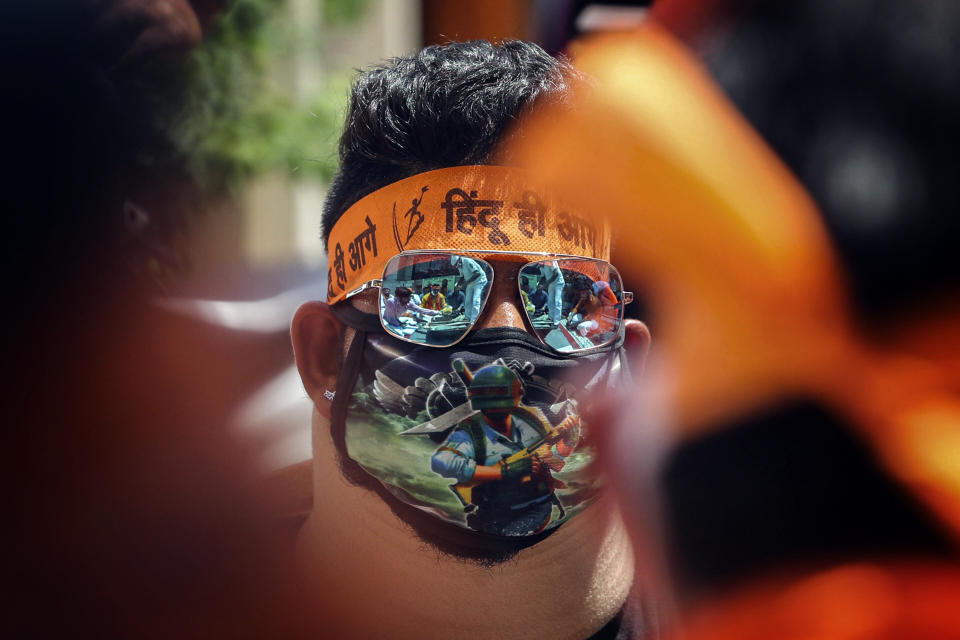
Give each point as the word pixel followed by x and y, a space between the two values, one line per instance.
pixel 486 435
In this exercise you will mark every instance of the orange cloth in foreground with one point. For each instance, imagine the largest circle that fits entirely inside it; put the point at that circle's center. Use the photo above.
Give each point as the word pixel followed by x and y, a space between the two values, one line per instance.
pixel 851 602
pixel 747 296
pixel 748 301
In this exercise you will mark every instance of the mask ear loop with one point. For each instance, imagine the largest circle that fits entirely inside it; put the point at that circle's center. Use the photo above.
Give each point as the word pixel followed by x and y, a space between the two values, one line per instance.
pixel 349 372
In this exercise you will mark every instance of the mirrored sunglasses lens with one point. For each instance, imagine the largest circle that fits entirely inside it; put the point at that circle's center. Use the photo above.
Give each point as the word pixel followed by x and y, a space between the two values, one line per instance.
pixel 573 304
pixel 433 298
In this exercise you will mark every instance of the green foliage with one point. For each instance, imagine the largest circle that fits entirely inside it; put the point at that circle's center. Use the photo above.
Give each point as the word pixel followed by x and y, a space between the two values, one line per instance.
pixel 342 12
pixel 226 121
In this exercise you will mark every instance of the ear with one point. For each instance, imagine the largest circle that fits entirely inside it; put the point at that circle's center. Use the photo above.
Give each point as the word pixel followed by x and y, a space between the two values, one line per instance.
pixel 315 333
pixel 637 342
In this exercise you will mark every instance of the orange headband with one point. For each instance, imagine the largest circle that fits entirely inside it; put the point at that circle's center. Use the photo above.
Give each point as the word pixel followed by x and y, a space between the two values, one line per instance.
pixel 456 209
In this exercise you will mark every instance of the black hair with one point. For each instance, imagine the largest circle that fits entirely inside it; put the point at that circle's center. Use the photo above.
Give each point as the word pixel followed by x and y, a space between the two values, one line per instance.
pixel 446 106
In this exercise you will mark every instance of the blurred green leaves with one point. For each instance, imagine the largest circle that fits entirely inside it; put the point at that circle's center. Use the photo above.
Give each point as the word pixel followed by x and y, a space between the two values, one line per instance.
pixel 227 119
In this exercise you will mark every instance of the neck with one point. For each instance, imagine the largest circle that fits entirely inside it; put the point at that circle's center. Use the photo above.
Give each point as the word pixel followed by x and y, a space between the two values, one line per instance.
pixel 499 422
pixel 366 565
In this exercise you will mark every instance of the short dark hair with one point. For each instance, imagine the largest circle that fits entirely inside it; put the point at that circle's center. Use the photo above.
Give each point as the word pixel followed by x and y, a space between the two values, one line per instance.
pixel 446 106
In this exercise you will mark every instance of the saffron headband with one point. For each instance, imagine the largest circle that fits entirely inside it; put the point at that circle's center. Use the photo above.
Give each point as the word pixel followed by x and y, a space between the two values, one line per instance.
pixel 455 209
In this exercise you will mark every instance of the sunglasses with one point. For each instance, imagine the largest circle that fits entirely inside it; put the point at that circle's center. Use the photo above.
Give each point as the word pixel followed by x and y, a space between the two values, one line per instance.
pixel 572 304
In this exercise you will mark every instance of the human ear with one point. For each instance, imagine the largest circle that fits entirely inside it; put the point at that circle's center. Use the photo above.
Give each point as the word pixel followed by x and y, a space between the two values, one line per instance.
pixel 315 333
pixel 636 342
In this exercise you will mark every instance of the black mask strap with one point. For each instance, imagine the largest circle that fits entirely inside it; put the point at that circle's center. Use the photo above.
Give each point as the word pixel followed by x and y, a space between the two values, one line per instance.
pixel 490 337
pixel 346 380
pixel 353 317
pixel 500 337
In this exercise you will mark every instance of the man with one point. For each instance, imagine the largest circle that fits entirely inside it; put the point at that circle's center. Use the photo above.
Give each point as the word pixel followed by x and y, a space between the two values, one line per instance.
pixel 456 298
pixel 474 281
pixel 389 538
pixel 434 299
pixel 553 278
pixel 525 285
pixel 539 298
pixel 402 306
pixel 594 312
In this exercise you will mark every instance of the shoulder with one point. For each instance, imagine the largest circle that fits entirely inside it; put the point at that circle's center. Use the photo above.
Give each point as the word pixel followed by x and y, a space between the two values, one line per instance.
pixel 461 433
pixel 534 417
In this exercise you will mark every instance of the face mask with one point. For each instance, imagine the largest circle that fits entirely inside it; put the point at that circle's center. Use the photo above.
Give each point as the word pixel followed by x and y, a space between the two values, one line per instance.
pixel 486 435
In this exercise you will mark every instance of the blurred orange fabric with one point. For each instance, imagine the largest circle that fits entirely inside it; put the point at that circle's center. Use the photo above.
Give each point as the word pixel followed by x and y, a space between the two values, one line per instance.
pixel 748 301
pixel 851 602
pixel 721 238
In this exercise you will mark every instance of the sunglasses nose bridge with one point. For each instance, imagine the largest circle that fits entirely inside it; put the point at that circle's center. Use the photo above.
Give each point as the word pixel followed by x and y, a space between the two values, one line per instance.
pixel 503 306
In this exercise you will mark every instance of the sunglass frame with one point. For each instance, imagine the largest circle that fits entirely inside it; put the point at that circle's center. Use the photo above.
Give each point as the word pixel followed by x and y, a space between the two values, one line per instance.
pixel 542 257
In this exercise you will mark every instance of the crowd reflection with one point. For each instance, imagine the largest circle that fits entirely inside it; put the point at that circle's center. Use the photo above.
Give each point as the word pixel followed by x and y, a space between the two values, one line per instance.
pixel 435 298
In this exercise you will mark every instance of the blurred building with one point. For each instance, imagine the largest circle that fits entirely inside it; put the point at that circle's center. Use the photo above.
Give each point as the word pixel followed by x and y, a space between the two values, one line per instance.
pixel 273 226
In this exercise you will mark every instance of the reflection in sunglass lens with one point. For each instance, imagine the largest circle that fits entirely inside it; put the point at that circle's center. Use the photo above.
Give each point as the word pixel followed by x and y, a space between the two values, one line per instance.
pixel 436 297
pixel 572 303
